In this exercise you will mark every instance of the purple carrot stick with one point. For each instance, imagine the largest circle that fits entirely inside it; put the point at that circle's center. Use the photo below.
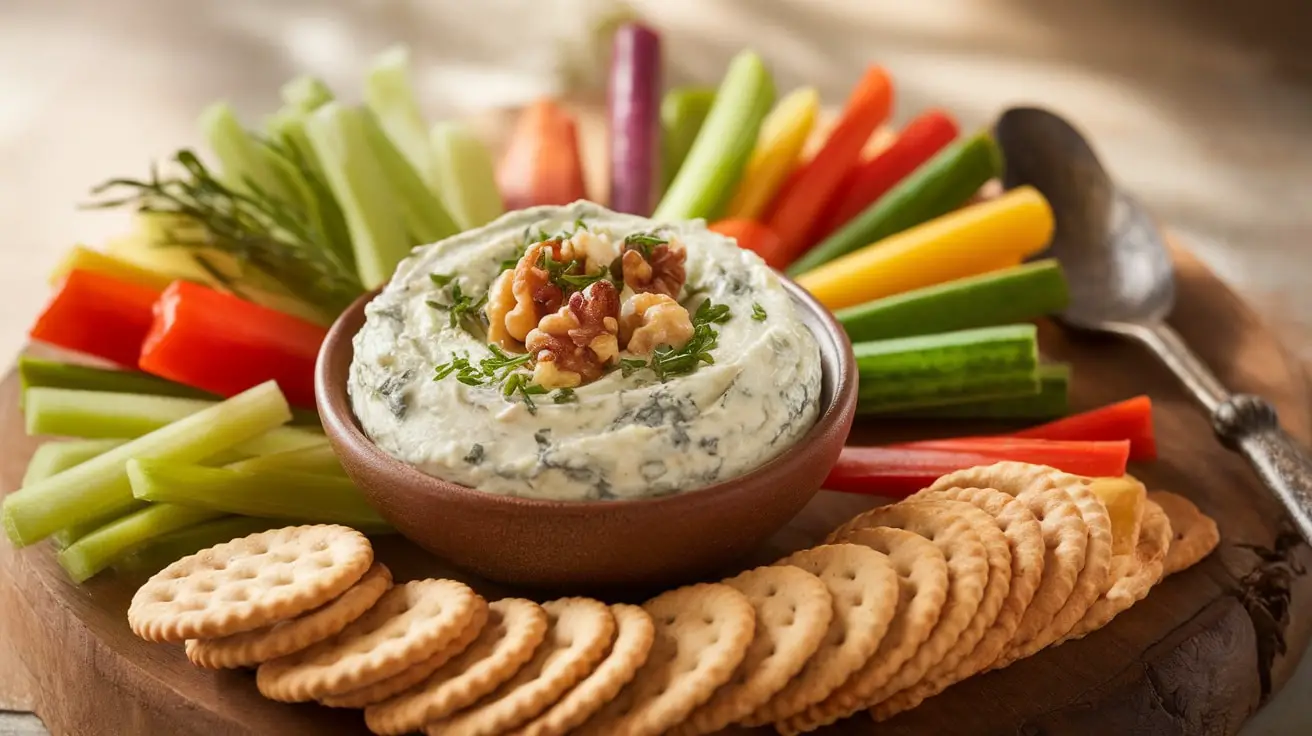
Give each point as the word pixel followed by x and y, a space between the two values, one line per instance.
pixel 635 90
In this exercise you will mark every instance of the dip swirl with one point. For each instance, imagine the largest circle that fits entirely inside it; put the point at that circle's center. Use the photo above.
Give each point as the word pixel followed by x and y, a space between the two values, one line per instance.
pixel 627 434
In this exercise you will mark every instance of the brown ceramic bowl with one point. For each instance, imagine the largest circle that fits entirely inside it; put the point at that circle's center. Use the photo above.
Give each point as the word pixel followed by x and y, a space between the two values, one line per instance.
pixel 572 544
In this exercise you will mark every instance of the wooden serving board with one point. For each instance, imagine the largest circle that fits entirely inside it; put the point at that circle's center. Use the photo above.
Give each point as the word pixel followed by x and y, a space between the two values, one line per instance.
pixel 1197 656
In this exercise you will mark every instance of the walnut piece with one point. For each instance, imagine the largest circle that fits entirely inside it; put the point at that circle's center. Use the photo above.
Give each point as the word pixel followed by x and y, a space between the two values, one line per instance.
pixel 533 292
pixel 574 345
pixel 500 300
pixel 651 320
pixel 656 269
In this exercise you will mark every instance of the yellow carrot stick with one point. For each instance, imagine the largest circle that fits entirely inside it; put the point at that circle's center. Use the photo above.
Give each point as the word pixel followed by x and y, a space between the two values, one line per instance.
pixel 969 241
pixel 783 133
pixel 86 259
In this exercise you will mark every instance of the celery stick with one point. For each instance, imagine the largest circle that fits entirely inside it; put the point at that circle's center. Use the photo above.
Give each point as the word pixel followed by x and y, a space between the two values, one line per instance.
pixel 242 161
pixel 1001 297
pixel 56 457
pixel 683 112
pixel 1050 402
pixel 100 485
pixel 465 175
pixel 306 93
pixel 166 549
pixel 425 215
pixel 273 494
pixel 706 181
pixel 319 459
pixel 70 534
pixel 282 439
pixel 42 373
pixel 390 97
pixel 99 549
pixel 378 231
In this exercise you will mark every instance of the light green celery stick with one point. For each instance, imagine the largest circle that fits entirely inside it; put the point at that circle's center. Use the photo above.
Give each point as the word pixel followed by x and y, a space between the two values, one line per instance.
pixel 56 457
pixel 390 96
pixel 70 534
pixel 164 550
pixel 683 111
pixel 99 549
pixel 270 494
pixel 242 160
pixel 319 459
pixel 306 93
pixel 378 231
pixel 706 179
pixel 465 175
pixel 425 215
pixel 39 372
pixel 100 485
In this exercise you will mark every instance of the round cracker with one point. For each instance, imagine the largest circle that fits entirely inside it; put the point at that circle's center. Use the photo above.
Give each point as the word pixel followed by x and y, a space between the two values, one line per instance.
pixel 409 624
pixel 261 645
pixel 515 627
pixel 864 587
pixel 1130 588
pixel 249 583
pixel 633 640
pixel 793 611
pixel 579 631
pixel 923 588
pixel 701 636
pixel 1193 534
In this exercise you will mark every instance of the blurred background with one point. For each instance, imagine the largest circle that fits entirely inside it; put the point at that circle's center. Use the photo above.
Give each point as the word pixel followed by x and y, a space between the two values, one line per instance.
pixel 1201 107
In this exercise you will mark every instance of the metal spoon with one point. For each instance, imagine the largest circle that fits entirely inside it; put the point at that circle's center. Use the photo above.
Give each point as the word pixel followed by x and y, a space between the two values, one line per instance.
pixel 1122 282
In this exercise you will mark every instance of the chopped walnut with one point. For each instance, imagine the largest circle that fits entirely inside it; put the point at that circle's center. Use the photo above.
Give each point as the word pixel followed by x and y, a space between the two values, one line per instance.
pixel 657 269
pixel 594 250
pixel 651 320
pixel 534 294
pixel 575 344
pixel 500 300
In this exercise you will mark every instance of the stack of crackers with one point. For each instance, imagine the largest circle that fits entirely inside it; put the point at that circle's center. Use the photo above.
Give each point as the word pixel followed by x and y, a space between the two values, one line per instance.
pixel 985 567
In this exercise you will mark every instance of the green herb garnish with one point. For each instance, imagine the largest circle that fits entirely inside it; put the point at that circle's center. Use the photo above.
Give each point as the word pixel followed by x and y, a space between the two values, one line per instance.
pixel 463 308
pixel 564 396
pixel 568 275
pixel 629 366
pixel 518 383
pixel 644 242
pixel 499 368
pixel 667 362
pixel 441 279
pixel 758 312
pixel 711 313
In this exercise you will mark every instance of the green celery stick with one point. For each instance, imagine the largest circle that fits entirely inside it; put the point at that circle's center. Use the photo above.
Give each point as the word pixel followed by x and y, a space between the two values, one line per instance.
pixel 102 547
pixel 100 485
pixel 39 372
pixel 340 140
pixel 683 111
pixel 306 93
pixel 282 439
pixel 465 175
pixel 319 459
pixel 243 161
pixel 270 494
pixel 70 534
pixel 165 549
pixel 939 186
pixel 56 457
pixel 391 98
pixel 706 180
pixel 1050 402
pixel 425 215
pixel 1001 297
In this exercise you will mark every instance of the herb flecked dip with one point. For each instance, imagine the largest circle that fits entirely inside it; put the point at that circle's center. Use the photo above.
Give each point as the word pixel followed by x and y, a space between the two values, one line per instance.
pixel 445 380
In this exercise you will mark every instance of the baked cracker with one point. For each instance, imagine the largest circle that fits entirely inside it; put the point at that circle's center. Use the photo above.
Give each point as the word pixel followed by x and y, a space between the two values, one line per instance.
pixel 1193 534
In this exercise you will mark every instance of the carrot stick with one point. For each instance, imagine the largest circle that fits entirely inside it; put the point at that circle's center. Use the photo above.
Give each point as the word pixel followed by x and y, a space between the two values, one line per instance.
pixel 793 216
pixel 1131 420
pixel 750 234
pixel 541 164
pixel 99 315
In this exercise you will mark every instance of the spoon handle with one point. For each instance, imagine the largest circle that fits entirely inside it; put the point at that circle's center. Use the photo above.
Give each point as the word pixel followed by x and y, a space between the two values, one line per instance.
pixel 1246 423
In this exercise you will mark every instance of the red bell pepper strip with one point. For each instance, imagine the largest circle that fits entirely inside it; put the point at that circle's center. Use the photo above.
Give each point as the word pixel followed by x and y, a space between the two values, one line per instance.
pixel 750 234
pixel 923 137
pixel 1131 420
pixel 893 471
pixel 1094 459
pixel 541 164
pixel 794 213
pixel 98 315
pixel 220 343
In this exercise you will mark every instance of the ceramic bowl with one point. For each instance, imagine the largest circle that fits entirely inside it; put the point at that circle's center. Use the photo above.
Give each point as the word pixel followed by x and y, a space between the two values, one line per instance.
pixel 572 544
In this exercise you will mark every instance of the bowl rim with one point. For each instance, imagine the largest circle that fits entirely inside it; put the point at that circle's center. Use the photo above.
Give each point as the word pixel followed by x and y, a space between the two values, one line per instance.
pixel 343 428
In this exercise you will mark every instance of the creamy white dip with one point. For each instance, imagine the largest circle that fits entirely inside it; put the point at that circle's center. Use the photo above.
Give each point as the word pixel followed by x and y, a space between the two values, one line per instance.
pixel 620 437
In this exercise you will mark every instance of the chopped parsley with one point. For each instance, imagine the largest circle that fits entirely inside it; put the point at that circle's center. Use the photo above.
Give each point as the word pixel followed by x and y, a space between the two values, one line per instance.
pixel 758 312
pixel 518 383
pixel 629 366
pixel 569 275
pixel 711 313
pixel 644 242
pixel 667 362
pixel 498 369
pixel 564 396
pixel 441 279
pixel 463 307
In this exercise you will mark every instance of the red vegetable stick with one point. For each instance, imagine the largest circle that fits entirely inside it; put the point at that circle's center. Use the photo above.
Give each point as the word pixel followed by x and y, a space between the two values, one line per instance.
pixel 923 137
pixel 1131 420
pixel 803 199
pixel 98 315
pixel 541 164
pixel 1095 459
pixel 750 234
pixel 895 472
pixel 222 344
pixel 635 101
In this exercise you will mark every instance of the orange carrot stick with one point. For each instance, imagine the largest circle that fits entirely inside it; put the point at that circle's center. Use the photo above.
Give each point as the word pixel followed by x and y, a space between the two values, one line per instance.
pixel 542 164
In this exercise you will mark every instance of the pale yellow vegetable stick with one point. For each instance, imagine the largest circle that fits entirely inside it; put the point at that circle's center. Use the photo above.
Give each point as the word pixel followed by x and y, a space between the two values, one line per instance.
pixel 783 133
pixel 969 241
pixel 83 258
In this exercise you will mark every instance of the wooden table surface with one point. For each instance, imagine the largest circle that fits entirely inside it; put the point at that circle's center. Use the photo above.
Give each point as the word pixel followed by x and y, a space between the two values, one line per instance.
pixel 1201 107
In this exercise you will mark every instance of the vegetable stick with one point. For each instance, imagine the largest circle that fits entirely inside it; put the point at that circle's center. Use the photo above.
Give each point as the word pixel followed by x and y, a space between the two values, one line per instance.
pixel 634 105
pixel 306 93
pixel 100 486
pixel 390 96
pixel 64 538
pixel 165 549
pixel 319 459
pixel 82 258
pixel 1052 400
pixel 224 345
pixel 465 176
pixel 99 549
pixel 1131 420
pixel 56 457
pixel 1100 459
pixel 425 216
pixel 715 163
pixel 683 111
pixel 97 315
pixel 541 164
pixel 244 164
pixel 793 215
pixel 783 133
pixel 750 234
pixel 960 244
pixel 941 185
pixel 41 373
pixel 920 140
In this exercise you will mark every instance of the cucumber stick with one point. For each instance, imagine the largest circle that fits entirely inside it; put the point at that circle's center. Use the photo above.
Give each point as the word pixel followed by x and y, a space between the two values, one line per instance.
pixel 710 173
pixel 1003 297
pixel 39 372
pixel 1050 402
pixel 939 186
pixel 683 112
